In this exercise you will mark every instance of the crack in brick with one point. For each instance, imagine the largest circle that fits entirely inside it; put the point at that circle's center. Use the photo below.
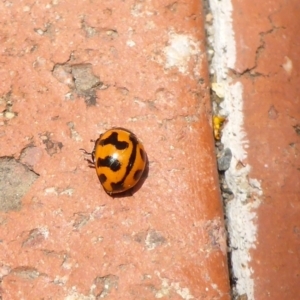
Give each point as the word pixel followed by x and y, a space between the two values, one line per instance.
pixel 251 71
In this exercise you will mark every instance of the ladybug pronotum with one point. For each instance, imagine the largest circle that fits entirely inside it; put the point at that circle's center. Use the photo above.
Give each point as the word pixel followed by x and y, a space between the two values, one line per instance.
pixel 120 160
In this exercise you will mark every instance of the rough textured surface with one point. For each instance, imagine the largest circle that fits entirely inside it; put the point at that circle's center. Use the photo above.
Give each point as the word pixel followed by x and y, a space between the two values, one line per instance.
pixel 69 72
pixel 272 114
pixel 15 181
pixel 257 78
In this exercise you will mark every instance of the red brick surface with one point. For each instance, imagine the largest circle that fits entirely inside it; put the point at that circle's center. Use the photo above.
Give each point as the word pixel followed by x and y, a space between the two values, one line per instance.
pixel 68 72
pixel 272 122
pixel 256 67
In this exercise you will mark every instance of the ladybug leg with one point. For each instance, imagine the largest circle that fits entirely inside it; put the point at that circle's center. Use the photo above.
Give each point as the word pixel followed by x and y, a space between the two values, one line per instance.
pixel 85 152
pixel 91 162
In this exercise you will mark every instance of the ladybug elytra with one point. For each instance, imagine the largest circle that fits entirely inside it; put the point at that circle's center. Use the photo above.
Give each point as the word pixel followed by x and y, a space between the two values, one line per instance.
pixel 120 160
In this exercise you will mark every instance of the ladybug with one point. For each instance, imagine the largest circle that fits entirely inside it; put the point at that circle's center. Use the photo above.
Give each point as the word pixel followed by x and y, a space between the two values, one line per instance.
pixel 119 159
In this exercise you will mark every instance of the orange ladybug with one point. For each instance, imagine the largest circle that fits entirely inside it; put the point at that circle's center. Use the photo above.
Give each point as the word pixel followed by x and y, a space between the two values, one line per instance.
pixel 120 160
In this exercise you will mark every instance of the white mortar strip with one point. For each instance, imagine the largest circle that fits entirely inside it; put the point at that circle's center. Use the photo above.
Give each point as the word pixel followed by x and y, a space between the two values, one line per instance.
pixel 241 210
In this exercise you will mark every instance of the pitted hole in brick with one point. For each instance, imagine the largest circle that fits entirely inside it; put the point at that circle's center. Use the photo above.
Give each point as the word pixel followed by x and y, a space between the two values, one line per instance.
pixel 63 73
pixel 107 34
pixel 151 239
pixel 15 181
pixel 35 237
pixel 6 107
pixel 84 78
pixel 86 82
pixel 297 129
pixel 80 79
pixel 102 286
pixel 81 219
pixel 25 272
pixel 52 146
pixel 154 239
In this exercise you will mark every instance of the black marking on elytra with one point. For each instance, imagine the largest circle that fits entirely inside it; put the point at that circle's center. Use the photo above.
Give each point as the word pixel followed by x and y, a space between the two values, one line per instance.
pixel 117 186
pixel 137 174
pixel 143 154
pixel 102 178
pixel 134 141
pixel 113 140
pixel 131 191
pixel 132 155
pixel 109 162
